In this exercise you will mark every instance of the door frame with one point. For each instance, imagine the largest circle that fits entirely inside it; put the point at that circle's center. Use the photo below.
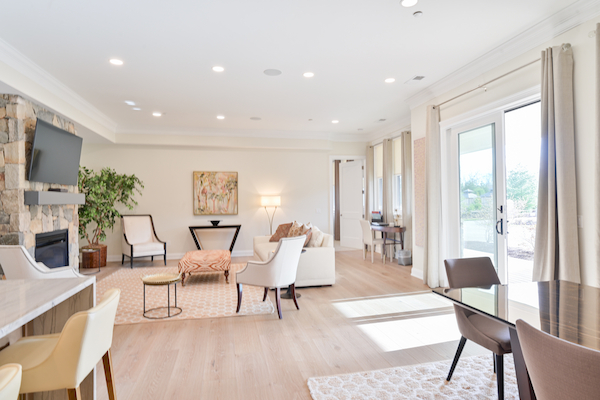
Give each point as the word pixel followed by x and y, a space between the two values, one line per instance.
pixel 449 176
pixel 332 158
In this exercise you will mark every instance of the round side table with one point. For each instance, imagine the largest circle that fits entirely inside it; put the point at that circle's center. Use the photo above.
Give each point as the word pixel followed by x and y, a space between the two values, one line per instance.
pixel 162 280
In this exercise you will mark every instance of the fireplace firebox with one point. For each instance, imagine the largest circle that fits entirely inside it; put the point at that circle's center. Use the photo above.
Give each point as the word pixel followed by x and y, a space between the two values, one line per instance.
pixel 52 248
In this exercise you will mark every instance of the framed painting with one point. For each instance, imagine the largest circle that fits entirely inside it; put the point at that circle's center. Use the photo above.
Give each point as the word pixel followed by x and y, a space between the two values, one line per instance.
pixel 215 193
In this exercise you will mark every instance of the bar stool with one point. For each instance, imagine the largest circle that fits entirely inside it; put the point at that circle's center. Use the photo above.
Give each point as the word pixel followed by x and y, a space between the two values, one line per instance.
pixel 63 360
pixel 10 381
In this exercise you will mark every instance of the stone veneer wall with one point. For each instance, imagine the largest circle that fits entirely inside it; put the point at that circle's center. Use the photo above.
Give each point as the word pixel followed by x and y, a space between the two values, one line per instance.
pixel 19 223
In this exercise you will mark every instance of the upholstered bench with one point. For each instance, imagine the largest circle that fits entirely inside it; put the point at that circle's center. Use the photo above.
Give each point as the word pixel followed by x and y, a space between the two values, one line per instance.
pixel 205 261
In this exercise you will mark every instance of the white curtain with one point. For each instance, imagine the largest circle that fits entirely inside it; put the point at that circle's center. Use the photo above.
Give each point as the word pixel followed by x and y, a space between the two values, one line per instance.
pixel 407 188
pixel 388 180
pixel 556 243
pixel 595 279
pixel 434 273
pixel 369 181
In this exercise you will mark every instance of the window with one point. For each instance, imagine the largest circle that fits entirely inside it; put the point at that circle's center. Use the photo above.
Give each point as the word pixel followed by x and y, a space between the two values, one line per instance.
pixel 378 161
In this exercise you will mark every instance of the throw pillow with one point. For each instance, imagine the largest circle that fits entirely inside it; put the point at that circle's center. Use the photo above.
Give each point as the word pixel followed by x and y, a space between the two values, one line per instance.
pixel 281 232
pixel 295 230
pixel 317 237
pixel 308 234
pixel 306 227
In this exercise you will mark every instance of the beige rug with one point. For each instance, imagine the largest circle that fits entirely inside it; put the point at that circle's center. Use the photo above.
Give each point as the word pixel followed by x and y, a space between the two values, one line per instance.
pixel 473 378
pixel 205 295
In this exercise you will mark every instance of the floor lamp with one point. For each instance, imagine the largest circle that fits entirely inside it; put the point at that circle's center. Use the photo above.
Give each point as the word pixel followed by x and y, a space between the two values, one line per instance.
pixel 270 201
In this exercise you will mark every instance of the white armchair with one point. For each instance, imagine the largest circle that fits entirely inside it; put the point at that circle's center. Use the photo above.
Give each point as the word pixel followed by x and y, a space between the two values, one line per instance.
pixel 277 272
pixel 17 263
pixel 139 238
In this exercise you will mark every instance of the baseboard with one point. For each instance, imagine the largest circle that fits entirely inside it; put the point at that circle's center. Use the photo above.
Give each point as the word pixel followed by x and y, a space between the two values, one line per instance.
pixel 417 273
pixel 178 256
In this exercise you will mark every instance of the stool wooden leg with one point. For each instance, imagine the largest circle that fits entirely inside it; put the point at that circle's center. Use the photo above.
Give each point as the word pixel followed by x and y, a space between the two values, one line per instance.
pixel 108 373
pixel 74 394
pixel 239 292
pixel 266 292
pixel 227 276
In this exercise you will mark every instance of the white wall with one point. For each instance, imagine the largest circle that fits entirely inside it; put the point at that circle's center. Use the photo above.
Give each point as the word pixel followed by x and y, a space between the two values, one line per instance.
pixel 300 177
pixel 584 87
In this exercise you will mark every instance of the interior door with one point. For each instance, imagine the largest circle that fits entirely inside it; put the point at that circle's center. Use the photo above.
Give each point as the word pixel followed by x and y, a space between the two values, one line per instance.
pixel 351 203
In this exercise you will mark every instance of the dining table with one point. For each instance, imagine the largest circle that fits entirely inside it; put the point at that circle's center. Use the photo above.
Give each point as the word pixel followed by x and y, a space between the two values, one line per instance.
pixel 387 229
pixel 564 309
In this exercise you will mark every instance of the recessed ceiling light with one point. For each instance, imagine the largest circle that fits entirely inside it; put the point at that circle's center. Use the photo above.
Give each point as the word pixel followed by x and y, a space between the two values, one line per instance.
pixel 390 80
pixel 136 109
pixel 255 118
pixel 381 119
pixel 418 14
pixel 115 61
pixel 310 119
pixel 156 114
pixel 335 121
pixel 308 74
pixel 216 68
pixel 360 129
pixel 130 103
pixel 272 72
pixel 408 3
pixel 220 117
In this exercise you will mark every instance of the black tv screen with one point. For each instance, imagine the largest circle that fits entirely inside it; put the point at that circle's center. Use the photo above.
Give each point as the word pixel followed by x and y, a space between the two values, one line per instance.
pixel 55 155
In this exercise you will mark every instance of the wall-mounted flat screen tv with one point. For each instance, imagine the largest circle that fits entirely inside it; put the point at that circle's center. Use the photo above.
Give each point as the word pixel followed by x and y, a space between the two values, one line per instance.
pixel 55 155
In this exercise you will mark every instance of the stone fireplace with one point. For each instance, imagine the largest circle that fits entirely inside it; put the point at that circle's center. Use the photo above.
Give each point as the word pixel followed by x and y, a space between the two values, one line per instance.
pixel 19 223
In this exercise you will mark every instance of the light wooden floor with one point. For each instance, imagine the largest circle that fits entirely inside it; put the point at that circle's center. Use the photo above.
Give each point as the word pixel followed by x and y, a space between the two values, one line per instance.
pixel 262 357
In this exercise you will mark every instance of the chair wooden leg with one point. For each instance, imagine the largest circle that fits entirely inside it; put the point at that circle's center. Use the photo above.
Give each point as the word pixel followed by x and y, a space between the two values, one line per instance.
pixel 239 292
pixel 461 346
pixel 500 375
pixel 266 292
pixel 123 259
pixel 227 276
pixel 293 286
pixel 364 252
pixel 74 394
pixel 278 297
pixel 108 374
pixel 131 262
pixel 151 258
pixel 372 254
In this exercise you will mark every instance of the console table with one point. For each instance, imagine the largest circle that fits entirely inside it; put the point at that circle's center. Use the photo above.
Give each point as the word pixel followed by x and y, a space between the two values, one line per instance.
pixel 197 240
pixel 390 229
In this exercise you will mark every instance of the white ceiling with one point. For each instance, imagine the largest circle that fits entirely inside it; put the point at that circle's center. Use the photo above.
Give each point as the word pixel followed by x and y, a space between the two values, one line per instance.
pixel 169 48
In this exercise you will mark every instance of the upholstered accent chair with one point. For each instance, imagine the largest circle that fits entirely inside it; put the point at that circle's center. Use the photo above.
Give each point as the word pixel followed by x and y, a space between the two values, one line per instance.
pixel 10 381
pixel 277 272
pixel 140 239
pixel 559 369
pixel 493 335
pixel 17 263
pixel 369 240
pixel 63 360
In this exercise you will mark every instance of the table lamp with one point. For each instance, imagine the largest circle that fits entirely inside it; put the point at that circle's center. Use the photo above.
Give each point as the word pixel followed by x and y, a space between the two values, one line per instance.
pixel 270 201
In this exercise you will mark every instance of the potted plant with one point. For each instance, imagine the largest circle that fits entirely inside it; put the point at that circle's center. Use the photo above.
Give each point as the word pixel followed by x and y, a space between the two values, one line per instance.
pixel 103 191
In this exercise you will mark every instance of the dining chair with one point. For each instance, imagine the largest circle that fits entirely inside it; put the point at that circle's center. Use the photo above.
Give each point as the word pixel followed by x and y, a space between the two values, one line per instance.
pixel 370 241
pixel 10 381
pixel 493 335
pixel 63 360
pixel 277 272
pixel 559 369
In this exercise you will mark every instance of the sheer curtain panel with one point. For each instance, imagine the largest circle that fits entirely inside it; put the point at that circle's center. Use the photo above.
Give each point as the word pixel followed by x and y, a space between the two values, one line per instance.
pixel 369 181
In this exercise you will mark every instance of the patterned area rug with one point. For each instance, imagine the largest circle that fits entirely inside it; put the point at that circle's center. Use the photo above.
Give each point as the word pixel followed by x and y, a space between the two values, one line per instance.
pixel 473 378
pixel 205 295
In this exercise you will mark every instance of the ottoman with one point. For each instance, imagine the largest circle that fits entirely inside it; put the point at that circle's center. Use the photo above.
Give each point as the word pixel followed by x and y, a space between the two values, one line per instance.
pixel 205 261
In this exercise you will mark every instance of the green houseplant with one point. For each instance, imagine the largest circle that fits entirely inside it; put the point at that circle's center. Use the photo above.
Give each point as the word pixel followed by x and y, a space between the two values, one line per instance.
pixel 103 191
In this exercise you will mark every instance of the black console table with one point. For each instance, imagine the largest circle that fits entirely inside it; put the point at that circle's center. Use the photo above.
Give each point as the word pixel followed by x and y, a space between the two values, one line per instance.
pixel 197 240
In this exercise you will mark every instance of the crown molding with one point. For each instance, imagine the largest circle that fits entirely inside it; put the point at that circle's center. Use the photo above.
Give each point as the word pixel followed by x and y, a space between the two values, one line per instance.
pixel 546 30
pixel 389 131
pixel 26 67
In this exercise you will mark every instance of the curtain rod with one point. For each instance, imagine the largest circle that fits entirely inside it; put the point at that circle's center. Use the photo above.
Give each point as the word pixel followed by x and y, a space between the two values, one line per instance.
pixel 487 83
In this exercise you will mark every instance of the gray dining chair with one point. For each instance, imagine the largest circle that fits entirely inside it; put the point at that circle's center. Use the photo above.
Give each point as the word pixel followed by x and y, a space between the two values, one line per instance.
pixel 493 335
pixel 559 369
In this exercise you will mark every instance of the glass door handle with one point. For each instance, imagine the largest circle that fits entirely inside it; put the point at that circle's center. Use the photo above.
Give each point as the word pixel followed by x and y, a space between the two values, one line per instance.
pixel 501 223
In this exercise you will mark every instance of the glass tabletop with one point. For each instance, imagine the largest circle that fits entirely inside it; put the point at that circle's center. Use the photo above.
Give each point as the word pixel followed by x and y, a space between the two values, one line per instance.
pixel 564 309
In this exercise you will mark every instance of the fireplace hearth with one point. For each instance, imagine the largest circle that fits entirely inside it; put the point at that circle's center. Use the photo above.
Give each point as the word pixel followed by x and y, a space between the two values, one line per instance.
pixel 52 248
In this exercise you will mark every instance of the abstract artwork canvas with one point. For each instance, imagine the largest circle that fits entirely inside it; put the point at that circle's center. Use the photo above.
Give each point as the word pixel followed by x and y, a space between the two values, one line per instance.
pixel 215 193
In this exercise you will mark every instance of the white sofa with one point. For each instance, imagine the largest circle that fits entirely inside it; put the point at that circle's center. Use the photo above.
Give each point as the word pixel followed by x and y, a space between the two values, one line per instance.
pixel 316 266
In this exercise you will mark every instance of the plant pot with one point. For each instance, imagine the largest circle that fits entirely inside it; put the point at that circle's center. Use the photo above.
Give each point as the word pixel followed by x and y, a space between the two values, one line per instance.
pixel 90 258
pixel 102 248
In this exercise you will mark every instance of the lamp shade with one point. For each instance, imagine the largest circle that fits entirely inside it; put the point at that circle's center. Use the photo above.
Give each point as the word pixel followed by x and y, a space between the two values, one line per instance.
pixel 270 201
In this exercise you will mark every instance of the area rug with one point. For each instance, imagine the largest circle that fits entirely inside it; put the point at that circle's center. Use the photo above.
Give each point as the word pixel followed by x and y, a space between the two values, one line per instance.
pixel 473 378
pixel 205 295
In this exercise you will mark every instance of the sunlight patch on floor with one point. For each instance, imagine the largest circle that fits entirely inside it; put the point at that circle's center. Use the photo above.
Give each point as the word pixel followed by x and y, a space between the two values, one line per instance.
pixel 391 305
pixel 410 333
